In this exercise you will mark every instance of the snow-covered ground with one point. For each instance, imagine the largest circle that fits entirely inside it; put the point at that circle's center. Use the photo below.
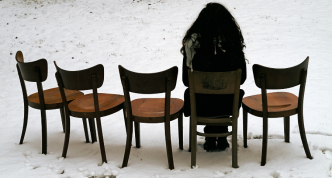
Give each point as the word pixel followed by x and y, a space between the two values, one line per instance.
pixel 145 36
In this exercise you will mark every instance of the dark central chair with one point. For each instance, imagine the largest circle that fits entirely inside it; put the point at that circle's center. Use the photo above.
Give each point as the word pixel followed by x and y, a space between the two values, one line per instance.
pixel 214 83
pixel 151 110
pixel 94 105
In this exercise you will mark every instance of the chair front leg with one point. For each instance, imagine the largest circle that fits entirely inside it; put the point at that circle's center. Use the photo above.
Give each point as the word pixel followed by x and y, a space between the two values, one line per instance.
pixel 286 128
pixel 234 144
pixel 85 127
pixel 245 128
pixel 137 135
pixel 25 121
pixel 92 130
pixel 67 135
pixel 193 142
pixel 265 136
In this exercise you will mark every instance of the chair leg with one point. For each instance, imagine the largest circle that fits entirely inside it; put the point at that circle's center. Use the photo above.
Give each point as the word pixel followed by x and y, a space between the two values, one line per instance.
pixel 63 119
pixel 180 129
pixel 128 144
pixel 189 150
pixel 245 128
pixel 85 127
pixel 193 143
pixel 92 130
pixel 286 128
pixel 125 118
pixel 303 136
pixel 264 147
pixel 101 141
pixel 67 135
pixel 137 135
pixel 25 121
pixel 169 145
pixel 234 144
pixel 44 131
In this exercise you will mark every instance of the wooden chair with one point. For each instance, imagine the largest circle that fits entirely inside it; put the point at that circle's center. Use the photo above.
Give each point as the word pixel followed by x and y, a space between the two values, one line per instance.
pixel 278 104
pixel 94 105
pixel 151 110
pixel 44 99
pixel 214 83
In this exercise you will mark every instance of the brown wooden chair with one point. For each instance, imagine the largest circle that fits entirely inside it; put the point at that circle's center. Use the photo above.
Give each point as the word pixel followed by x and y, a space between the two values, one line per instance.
pixel 44 99
pixel 151 110
pixel 94 105
pixel 278 104
pixel 214 83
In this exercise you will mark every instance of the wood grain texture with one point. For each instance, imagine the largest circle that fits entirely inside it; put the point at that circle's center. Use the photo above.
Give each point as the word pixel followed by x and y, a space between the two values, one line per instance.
pixel 84 105
pixel 279 104
pixel 152 110
pixel 35 71
pixel 52 98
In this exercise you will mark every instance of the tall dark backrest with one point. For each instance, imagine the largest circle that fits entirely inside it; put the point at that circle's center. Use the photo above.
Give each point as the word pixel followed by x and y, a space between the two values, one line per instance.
pixel 35 71
pixel 269 78
pixel 151 83
pixel 91 78
pixel 215 83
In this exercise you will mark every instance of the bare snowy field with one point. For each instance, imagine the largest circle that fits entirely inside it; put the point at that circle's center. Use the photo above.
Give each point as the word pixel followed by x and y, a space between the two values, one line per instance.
pixel 145 36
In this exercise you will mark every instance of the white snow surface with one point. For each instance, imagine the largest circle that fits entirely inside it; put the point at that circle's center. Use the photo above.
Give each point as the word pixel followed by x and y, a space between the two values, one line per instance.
pixel 145 36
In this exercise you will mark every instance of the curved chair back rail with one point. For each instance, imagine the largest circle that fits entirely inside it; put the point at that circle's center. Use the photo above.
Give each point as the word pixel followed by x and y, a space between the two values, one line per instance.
pixel 82 79
pixel 35 71
pixel 214 83
pixel 149 83
pixel 279 78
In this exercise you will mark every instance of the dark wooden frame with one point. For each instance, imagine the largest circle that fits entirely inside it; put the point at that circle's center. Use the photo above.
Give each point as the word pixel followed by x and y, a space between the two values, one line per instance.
pixel 214 83
pixel 271 78
pixel 36 71
pixel 151 83
pixel 87 79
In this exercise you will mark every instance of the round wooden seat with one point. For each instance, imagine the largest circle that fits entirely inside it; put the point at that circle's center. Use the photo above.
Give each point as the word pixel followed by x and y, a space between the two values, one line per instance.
pixel 151 110
pixel 278 104
pixel 53 98
pixel 83 107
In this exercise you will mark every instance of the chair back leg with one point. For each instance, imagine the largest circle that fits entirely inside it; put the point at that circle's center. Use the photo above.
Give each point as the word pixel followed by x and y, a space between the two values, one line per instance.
pixel 303 136
pixel 92 130
pixel 193 140
pixel 101 141
pixel 128 143
pixel 44 131
pixel 234 144
pixel 265 135
pixel 67 135
pixel 25 121
pixel 169 145
pixel 180 129
pixel 63 119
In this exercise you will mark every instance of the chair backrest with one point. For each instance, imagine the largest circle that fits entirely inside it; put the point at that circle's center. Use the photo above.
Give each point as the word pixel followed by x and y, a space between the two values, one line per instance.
pixel 35 71
pixel 149 83
pixel 279 78
pixel 215 83
pixel 82 79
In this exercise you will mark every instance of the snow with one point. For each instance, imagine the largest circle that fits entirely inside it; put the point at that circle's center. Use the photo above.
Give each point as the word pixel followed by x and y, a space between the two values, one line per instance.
pixel 145 36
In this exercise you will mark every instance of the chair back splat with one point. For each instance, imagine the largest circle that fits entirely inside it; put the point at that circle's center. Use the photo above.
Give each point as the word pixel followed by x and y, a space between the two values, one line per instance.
pixel 214 83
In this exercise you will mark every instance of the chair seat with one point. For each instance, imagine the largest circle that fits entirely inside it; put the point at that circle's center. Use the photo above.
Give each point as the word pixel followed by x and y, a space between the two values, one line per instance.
pixel 53 98
pixel 83 107
pixel 279 104
pixel 152 110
